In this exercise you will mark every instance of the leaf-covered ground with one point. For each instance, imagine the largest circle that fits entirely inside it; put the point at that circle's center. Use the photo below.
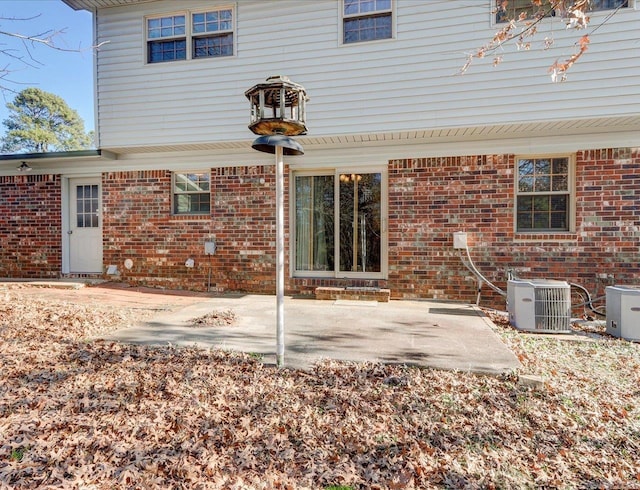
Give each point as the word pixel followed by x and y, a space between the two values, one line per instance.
pixel 99 415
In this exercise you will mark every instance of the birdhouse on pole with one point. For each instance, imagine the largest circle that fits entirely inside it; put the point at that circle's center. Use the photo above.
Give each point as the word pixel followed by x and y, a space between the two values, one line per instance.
pixel 277 107
pixel 277 113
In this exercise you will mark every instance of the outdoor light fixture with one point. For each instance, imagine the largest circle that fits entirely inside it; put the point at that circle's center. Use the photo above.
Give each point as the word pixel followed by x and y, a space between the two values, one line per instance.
pixel 24 167
pixel 278 111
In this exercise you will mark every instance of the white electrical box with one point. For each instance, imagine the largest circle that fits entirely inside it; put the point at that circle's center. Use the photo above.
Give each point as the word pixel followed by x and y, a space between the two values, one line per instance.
pixel 209 247
pixel 460 240
pixel 539 305
pixel 623 311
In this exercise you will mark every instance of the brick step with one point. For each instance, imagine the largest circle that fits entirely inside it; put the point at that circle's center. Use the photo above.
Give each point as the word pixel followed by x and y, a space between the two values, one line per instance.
pixel 353 293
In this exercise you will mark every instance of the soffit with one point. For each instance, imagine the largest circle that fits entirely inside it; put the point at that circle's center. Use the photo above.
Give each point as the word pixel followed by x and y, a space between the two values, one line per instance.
pixel 425 136
pixel 92 5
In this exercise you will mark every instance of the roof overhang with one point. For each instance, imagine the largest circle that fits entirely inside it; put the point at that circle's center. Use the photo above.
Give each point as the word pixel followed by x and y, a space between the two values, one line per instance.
pixel 59 155
pixel 581 133
pixel 56 162
pixel 92 5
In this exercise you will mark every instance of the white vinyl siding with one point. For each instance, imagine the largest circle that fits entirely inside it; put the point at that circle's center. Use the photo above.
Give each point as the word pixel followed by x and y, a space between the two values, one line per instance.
pixel 409 83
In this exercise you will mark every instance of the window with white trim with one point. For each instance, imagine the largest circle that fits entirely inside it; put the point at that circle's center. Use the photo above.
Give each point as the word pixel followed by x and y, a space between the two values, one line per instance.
pixel 338 228
pixel 191 193
pixel 212 33
pixel 544 194
pixel 166 38
pixel 190 35
pixel 526 9
pixel 366 20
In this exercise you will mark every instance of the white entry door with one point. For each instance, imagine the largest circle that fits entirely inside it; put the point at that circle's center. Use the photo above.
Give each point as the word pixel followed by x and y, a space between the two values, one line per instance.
pixel 85 226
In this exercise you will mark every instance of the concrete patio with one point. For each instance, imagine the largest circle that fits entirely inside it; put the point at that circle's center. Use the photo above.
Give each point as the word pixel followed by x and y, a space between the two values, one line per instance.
pixel 424 333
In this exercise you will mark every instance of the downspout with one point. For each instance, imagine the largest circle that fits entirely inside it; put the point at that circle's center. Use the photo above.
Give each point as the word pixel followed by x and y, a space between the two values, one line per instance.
pixel 96 130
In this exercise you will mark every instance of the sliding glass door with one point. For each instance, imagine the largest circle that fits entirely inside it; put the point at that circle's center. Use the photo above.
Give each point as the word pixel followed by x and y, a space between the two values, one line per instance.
pixel 315 223
pixel 339 224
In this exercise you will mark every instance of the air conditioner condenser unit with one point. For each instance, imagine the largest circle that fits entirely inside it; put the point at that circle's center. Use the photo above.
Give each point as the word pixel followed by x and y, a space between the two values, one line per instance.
pixel 539 305
pixel 623 311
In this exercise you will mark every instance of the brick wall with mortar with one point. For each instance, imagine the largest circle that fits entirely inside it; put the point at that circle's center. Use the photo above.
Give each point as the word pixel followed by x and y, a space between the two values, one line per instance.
pixel 138 225
pixel 243 215
pixel 30 226
pixel 431 198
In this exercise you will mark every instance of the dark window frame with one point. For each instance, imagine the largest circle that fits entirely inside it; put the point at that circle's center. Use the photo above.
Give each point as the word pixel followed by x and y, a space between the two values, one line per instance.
pixel 196 199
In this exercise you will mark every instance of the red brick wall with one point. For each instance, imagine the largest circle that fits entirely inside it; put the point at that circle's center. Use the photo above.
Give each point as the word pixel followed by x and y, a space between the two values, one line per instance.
pixel 30 226
pixel 245 228
pixel 431 198
pixel 138 225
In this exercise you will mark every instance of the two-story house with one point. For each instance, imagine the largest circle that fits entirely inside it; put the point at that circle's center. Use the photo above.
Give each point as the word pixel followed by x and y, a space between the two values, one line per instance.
pixel 402 151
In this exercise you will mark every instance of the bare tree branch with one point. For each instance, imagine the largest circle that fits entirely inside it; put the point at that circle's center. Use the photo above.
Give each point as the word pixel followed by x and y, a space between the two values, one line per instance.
pixel 25 55
pixel 575 16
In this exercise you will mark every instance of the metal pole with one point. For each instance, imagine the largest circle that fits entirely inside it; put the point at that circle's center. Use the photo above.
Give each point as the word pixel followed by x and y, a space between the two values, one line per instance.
pixel 279 257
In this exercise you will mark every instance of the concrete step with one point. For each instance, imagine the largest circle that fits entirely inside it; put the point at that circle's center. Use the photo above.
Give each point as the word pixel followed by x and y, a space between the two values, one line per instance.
pixel 353 293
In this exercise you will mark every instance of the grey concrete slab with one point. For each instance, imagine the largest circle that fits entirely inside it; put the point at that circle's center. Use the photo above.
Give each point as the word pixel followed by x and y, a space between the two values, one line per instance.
pixel 424 333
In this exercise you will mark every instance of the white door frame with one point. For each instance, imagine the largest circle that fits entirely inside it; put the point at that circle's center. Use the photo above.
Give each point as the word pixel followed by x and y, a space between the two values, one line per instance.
pixel 384 215
pixel 66 217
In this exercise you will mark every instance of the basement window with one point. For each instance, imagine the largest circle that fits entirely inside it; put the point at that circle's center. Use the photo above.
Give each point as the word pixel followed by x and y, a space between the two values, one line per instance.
pixel 544 194
pixel 191 194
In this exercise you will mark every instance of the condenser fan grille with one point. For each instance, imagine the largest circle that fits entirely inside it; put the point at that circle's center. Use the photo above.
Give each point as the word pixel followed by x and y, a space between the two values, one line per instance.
pixel 539 305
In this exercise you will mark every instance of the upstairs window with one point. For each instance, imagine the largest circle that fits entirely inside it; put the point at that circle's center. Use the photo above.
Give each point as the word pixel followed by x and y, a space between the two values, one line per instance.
pixel 367 20
pixel 190 35
pixel 543 197
pixel 191 193
pixel 212 33
pixel 166 39
pixel 513 9
pixel 608 4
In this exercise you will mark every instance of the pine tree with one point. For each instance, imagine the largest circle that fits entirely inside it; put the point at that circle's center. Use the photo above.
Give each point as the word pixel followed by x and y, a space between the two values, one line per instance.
pixel 40 122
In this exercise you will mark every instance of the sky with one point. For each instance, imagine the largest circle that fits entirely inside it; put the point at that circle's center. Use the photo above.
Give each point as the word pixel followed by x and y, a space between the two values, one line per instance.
pixel 66 74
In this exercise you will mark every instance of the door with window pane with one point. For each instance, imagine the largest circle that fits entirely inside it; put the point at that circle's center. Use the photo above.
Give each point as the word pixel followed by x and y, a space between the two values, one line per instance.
pixel 339 224
pixel 85 226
